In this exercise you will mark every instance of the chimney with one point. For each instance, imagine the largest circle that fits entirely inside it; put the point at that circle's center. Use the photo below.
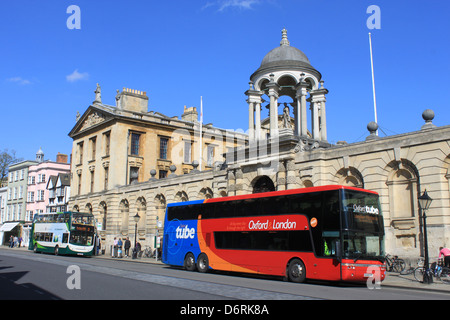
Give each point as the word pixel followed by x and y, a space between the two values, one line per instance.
pixel 132 100
pixel 190 114
pixel 61 158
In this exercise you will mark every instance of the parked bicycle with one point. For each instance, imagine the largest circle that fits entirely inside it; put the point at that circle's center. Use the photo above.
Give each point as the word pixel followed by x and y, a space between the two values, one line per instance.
pixel 394 263
pixel 148 252
pixel 411 269
pixel 436 269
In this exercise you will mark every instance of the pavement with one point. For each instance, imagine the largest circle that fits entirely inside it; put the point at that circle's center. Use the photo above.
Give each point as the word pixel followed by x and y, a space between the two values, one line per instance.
pixel 393 279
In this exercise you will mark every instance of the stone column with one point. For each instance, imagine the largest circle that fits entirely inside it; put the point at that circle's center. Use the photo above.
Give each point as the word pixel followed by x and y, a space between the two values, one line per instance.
pixel 281 176
pixel 258 120
pixel 231 183
pixel 251 122
pixel 314 117
pixel 239 182
pixel 301 120
pixel 290 175
pixel 254 112
pixel 323 121
pixel 274 88
pixel 318 106
pixel 296 107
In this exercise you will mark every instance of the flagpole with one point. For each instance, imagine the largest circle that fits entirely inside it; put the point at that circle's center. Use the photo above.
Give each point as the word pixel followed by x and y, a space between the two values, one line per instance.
pixel 201 133
pixel 373 81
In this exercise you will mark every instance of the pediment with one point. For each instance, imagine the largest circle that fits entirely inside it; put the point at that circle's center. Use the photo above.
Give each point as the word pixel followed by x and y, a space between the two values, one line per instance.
pixel 91 118
pixel 95 117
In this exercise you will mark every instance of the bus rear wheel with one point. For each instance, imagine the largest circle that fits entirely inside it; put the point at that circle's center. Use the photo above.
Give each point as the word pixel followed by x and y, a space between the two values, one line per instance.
pixel 296 271
pixel 202 263
pixel 56 250
pixel 189 262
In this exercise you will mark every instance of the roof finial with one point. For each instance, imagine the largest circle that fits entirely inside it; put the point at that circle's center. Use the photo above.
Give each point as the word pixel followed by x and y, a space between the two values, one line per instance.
pixel 284 39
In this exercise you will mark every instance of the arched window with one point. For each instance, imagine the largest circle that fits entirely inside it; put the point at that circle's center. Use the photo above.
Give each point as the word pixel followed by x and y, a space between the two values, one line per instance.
pixel 263 184
pixel 307 183
pixel 124 209
pixel 103 215
pixel 160 206
pixel 142 211
pixel 181 196
pixel 205 193
pixel 403 181
pixel 350 177
pixel 88 208
pixel 402 188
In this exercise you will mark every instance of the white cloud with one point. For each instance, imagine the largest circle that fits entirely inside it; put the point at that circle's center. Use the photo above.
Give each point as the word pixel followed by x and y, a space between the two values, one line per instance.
pixel 19 80
pixel 76 76
pixel 224 4
pixel 241 4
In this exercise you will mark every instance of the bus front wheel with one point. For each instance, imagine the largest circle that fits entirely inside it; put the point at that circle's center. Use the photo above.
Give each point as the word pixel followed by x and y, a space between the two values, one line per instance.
pixel 202 263
pixel 296 271
pixel 56 250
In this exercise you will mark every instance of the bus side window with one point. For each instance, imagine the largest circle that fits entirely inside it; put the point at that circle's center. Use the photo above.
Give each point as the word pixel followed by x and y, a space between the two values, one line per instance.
pixel 65 238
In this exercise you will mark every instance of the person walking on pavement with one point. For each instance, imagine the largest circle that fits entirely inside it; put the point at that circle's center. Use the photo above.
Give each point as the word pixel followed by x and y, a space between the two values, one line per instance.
pixel 119 246
pixel 114 255
pixel 446 253
pixel 127 247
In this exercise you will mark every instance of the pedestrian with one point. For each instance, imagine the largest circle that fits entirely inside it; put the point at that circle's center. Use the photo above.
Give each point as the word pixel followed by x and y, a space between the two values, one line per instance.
pixel 446 253
pixel 11 241
pixel 119 246
pixel 138 247
pixel 115 248
pixel 99 245
pixel 20 241
pixel 127 247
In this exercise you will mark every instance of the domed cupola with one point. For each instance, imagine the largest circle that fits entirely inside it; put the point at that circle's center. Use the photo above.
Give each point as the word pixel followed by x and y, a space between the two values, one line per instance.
pixel 287 71
pixel 285 57
pixel 40 155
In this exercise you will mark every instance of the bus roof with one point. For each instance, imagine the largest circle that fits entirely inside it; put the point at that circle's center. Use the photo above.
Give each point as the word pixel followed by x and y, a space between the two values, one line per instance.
pixel 49 213
pixel 271 194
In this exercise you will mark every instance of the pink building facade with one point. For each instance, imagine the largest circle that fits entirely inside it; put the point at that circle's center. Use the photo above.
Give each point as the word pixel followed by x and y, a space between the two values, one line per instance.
pixel 38 196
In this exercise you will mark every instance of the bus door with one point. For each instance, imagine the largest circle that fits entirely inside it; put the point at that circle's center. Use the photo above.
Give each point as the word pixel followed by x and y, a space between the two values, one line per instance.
pixel 327 265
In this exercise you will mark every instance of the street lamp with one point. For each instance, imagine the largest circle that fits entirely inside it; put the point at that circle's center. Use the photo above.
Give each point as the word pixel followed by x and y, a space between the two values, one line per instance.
pixel 424 204
pixel 136 220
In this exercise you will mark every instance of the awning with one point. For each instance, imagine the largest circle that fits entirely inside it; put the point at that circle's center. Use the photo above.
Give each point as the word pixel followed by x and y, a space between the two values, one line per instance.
pixel 8 226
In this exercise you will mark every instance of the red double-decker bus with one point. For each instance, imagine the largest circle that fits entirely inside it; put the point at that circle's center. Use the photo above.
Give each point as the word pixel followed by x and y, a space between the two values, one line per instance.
pixel 327 233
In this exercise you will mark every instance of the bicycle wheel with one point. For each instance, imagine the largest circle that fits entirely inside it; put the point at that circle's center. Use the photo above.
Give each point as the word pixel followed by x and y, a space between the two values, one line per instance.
pixel 445 275
pixel 388 264
pixel 407 271
pixel 418 273
pixel 399 265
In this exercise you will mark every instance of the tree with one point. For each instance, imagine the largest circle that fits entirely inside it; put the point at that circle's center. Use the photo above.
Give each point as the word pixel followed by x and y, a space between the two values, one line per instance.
pixel 7 158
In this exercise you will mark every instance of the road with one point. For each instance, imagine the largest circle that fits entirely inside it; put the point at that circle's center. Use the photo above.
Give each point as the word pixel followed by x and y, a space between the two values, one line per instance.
pixel 25 275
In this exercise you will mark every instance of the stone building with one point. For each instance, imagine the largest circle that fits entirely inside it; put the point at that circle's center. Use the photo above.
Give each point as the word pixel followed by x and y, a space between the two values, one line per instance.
pixel 27 194
pixel 118 150
pixel 288 149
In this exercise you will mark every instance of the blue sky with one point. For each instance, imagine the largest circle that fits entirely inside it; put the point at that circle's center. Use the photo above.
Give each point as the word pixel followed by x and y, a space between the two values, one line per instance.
pixel 177 51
